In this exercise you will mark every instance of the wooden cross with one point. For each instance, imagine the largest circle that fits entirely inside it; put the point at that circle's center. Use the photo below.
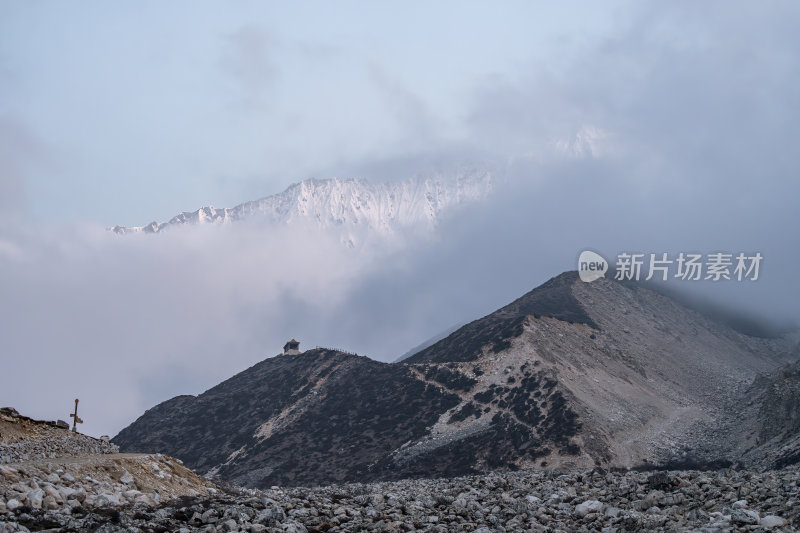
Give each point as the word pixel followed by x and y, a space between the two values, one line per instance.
pixel 76 420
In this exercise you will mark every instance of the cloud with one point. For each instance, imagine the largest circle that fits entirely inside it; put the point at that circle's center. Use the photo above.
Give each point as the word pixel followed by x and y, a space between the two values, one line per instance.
pixel 247 58
pixel 20 150
pixel 673 82
pixel 415 121
pixel 126 322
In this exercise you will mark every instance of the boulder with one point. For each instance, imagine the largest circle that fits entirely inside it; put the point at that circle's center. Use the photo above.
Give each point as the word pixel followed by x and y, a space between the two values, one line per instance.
pixel 771 521
pixel 13 504
pixel 744 517
pixel 589 506
pixel 34 498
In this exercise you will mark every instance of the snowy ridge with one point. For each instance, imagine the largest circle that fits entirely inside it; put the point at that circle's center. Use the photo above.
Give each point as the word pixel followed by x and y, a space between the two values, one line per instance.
pixel 348 203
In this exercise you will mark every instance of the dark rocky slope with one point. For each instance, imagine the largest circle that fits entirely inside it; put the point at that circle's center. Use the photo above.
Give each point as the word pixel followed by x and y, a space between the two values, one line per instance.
pixel 322 415
pixel 771 412
pixel 571 375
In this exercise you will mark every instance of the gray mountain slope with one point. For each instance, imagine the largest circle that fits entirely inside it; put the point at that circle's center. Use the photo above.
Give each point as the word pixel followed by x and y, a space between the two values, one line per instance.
pixel 570 375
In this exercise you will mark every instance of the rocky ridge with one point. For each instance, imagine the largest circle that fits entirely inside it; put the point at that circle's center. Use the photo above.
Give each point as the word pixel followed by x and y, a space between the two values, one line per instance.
pixel 570 376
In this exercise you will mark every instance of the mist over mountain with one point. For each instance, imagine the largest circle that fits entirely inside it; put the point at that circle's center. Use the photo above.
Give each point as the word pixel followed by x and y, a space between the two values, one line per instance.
pixel 178 311
pixel 355 207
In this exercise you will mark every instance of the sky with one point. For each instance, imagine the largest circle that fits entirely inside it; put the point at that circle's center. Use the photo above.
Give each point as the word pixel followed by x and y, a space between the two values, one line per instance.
pixel 144 109
pixel 618 126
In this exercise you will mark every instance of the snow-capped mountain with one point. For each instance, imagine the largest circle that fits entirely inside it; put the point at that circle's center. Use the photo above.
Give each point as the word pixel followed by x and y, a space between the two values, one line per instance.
pixel 349 203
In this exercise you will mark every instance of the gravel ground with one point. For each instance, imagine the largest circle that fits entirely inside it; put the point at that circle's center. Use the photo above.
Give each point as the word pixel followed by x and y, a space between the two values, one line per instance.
pixel 718 501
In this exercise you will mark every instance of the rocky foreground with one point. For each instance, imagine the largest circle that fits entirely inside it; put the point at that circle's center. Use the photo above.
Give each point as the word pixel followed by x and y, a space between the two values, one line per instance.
pixel 517 501
pixel 23 439
pixel 47 470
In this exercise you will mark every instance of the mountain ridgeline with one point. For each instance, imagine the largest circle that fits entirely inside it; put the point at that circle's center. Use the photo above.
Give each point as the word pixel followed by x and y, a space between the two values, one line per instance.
pixel 348 203
pixel 570 375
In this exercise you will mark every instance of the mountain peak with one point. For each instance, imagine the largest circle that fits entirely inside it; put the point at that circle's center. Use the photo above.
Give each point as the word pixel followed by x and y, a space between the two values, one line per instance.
pixel 348 203
pixel 554 299
pixel 570 375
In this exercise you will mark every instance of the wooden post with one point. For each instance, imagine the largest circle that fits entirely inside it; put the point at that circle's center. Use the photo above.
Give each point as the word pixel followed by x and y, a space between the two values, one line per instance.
pixel 75 419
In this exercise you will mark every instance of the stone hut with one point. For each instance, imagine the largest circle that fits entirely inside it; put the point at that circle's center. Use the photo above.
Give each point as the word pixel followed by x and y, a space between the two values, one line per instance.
pixel 292 347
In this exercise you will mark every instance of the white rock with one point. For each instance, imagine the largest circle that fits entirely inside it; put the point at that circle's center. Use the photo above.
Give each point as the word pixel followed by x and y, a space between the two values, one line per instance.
pixel 126 479
pixel 145 499
pixel 53 478
pixel 34 499
pixel 13 504
pixel 589 506
pixel 50 503
pixel 131 495
pixel 744 516
pixel 68 477
pixel 739 504
pixel 53 493
pixel 771 521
